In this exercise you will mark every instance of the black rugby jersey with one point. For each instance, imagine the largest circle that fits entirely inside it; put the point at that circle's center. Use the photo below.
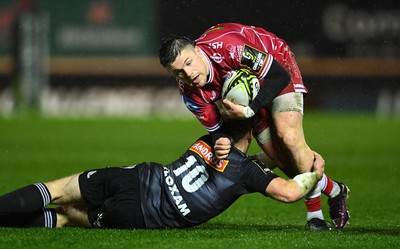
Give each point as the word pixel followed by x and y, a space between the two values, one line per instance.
pixel 197 186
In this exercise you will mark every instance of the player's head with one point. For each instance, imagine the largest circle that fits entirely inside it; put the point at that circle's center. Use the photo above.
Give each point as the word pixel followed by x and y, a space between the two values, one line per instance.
pixel 239 130
pixel 184 60
pixel 171 47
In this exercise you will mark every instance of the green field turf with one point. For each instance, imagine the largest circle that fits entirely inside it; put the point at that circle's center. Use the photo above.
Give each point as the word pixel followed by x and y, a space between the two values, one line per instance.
pixel 358 149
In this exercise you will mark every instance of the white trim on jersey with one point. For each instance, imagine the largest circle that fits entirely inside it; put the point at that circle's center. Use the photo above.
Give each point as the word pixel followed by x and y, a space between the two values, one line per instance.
pixel 211 75
pixel 267 66
pixel 215 127
pixel 300 88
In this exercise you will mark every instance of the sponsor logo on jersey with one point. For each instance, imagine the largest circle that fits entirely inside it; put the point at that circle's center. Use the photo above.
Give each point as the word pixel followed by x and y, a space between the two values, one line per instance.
pixel 205 151
pixel 262 166
pixel 213 95
pixel 216 45
pixel 129 167
pixel 190 105
pixel 98 222
pixel 213 29
pixel 234 51
pixel 217 57
pixel 90 173
pixel 175 193
pixel 253 58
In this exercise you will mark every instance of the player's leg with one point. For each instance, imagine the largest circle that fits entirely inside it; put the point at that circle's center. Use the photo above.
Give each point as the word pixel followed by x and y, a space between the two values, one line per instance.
pixel 25 207
pixel 292 135
pixel 287 112
pixel 287 115
pixel 26 199
pixel 36 196
pixel 72 216
pixel 265 133
pixel 65 190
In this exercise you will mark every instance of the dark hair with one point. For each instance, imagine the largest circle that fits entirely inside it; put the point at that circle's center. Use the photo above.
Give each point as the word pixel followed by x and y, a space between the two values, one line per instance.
pixel 171 47
pixel 238 128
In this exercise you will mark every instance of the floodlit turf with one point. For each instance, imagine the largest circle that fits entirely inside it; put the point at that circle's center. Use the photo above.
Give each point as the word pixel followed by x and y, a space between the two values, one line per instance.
pixel 359 149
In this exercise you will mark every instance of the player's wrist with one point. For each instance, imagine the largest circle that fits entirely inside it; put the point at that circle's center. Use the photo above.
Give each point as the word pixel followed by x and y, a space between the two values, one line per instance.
pixel 248 112
pixel 306 181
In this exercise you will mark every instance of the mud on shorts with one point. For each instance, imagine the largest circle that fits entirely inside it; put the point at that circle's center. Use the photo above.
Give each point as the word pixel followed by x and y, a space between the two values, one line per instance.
pixel 291 101
pixel 113 197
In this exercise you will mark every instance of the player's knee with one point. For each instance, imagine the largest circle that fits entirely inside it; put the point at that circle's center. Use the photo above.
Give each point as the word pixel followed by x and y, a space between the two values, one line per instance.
pixel 62 216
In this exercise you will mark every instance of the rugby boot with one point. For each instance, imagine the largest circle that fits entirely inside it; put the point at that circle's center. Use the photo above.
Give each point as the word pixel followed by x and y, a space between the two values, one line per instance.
pixel 338 207
pixel 317 224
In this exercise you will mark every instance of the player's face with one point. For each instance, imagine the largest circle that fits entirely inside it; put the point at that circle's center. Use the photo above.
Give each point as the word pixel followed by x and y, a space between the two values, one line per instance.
pixel 190 67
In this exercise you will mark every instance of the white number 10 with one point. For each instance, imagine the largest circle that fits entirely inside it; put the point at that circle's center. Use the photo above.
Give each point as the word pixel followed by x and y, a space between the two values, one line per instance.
pixel 196 175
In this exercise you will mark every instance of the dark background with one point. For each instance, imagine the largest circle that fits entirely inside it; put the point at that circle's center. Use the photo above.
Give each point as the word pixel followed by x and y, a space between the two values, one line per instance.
pixel 348 51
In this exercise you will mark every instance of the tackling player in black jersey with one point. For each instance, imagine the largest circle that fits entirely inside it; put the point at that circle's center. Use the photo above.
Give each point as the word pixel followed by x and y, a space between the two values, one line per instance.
pixel 185 193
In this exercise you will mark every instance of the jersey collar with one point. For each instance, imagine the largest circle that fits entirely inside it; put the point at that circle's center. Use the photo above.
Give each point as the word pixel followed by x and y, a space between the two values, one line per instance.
pixel 210 76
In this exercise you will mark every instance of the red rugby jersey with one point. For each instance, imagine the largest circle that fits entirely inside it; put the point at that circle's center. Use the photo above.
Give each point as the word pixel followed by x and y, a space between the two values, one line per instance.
pixel 228 47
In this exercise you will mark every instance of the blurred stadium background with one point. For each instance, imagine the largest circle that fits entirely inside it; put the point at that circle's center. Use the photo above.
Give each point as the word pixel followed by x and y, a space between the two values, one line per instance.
pixel 90 57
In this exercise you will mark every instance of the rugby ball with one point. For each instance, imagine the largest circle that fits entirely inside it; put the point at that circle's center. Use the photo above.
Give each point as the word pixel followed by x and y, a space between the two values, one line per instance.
pixel 241 87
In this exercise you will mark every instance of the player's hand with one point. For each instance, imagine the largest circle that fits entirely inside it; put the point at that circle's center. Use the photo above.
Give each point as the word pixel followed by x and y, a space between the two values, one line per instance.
pixel 232 110
pixel 318 165
pixel 222 147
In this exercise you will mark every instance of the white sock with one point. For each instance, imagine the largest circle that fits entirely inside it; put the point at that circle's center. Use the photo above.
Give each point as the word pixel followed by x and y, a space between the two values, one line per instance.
pixel 316 214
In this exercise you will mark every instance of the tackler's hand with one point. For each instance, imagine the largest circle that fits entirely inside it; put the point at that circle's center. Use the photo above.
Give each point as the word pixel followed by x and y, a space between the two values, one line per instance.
pixel 318 165
pixel 222 147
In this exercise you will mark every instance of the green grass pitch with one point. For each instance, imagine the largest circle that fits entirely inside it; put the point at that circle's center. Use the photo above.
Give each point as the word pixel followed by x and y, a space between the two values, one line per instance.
pixel 358 149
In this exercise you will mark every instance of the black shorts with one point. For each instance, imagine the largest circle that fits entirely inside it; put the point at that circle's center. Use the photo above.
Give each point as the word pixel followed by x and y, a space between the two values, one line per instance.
pixel 113 197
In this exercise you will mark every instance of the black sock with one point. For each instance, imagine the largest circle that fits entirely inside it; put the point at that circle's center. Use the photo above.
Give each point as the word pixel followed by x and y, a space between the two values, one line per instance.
pixel 45 217
pixel 25 200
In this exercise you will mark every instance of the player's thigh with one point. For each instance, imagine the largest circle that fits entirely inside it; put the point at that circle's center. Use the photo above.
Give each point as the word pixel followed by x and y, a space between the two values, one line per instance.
pixel 65 190
pixel 283 119
pixel 287 114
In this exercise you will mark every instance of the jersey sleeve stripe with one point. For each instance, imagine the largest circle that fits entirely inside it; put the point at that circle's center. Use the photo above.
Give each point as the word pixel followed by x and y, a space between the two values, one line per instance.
pixel 300 88
pixel 215 127
pixel 267 66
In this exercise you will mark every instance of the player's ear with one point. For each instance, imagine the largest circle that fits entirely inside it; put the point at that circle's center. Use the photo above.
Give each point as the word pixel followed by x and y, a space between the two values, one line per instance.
pixel 197 50
pixel 250 135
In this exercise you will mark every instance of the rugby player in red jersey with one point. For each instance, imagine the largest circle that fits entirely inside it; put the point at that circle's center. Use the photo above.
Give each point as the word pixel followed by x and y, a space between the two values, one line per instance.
pixel 201 66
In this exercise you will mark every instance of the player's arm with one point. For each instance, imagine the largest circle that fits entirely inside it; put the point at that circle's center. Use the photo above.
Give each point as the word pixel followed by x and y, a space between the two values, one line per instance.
pixel 275 81
pixel 294 189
